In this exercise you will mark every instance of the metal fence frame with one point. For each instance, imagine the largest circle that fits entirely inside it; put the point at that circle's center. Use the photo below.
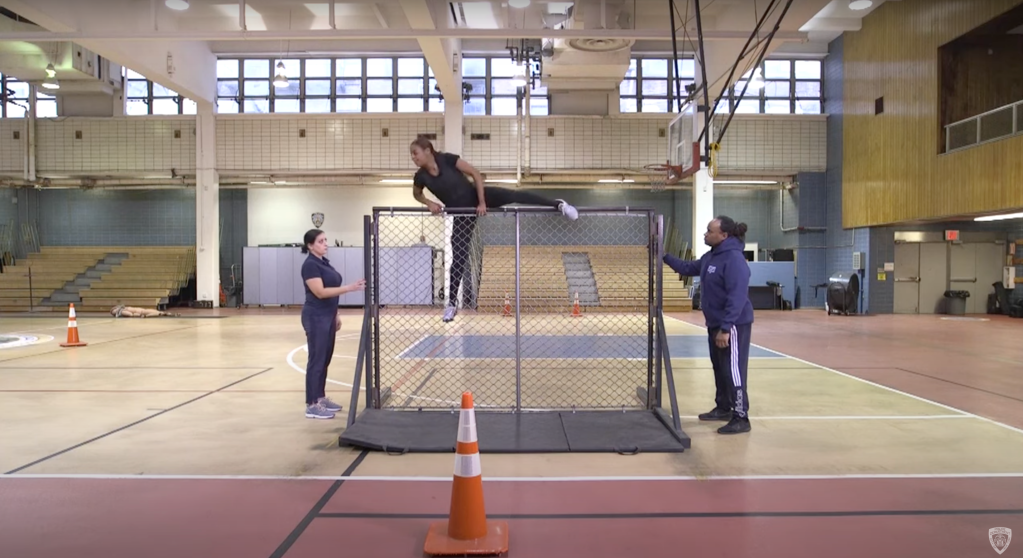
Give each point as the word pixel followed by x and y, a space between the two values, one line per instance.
pixel 658 363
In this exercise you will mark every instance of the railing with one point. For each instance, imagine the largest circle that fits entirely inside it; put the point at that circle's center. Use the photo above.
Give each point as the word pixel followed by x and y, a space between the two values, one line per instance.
pixel 993 125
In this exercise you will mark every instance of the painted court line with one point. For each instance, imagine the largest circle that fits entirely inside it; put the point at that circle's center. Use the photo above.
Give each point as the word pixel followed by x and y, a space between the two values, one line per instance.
pixel 300 370
pixel 624 478
pixel 893 390
pixel 412 346
pixel 858 417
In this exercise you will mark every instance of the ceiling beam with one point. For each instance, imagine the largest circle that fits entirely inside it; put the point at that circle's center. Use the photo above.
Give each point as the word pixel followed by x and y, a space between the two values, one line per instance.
pixel 384 34
pixel 435 49
pixel 186 67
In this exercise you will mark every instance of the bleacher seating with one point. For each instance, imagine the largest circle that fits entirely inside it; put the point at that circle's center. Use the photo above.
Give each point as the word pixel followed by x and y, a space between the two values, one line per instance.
pixel 145 276
pixel 148 277
pixel 543 281
pixel 620 273
pixel 50 270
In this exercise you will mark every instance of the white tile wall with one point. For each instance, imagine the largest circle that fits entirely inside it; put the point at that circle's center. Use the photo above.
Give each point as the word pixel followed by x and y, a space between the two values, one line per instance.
pixel 119 144
pixel 255 143
pixel 500 152
pixel 772 143
pixel 596 142
pixel 12 151
pixel 357 143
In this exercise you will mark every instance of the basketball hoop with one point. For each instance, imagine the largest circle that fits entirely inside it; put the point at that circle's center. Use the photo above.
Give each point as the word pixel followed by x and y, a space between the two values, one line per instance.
pixel 673 174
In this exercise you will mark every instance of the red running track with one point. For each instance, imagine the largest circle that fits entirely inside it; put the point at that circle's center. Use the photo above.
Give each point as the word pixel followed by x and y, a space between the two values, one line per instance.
pixel 157 518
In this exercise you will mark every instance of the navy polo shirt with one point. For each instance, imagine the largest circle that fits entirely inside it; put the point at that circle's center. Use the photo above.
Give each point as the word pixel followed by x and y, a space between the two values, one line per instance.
pixel 316 267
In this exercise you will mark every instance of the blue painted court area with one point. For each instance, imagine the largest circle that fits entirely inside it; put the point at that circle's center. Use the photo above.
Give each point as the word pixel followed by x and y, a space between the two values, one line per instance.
pixel 560 346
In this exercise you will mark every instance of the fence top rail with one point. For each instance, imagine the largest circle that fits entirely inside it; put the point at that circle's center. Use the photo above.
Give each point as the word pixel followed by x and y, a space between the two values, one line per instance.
pixel 618 210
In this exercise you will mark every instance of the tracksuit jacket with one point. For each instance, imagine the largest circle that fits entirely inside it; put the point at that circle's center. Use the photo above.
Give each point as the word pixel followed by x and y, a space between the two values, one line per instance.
pixel 724 283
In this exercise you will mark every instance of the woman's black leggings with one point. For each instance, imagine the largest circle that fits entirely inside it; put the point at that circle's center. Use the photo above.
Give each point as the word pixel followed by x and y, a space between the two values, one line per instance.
pixel 465 226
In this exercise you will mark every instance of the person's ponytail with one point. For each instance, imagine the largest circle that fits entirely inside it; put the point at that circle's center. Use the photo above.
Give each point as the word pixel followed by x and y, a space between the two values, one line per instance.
pixel 731 228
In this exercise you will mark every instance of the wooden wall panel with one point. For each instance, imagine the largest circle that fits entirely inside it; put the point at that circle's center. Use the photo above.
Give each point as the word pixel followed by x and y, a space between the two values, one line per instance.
pixel 981 77
pixel 892 170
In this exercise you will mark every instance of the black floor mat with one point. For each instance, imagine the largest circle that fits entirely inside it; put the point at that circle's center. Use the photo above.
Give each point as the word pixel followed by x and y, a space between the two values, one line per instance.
pixel 548 432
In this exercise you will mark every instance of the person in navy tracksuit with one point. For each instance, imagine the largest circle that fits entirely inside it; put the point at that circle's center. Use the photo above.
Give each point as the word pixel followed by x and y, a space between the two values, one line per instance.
pixel 724 298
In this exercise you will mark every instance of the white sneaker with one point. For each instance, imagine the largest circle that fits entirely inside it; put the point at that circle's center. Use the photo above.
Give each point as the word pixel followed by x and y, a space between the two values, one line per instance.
pixel 567 210
pixel 449 313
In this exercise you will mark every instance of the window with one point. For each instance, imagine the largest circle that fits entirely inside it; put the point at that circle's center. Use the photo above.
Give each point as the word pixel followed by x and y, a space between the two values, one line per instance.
pixel 649 84
pixel 143 96
pixel 366 85
pixel 789 87
pixel 14 103
pixel 15 97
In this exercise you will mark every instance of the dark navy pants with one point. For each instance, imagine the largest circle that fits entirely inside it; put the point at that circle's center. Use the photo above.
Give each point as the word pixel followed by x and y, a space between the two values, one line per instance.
pixel 730 366
pixel 320 330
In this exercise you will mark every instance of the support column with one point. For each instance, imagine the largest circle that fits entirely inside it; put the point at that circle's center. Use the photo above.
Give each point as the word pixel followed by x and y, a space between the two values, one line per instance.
pixel 454 111
pixel 454 108
pixel 703 184
pixel 207 207
pixel 703 209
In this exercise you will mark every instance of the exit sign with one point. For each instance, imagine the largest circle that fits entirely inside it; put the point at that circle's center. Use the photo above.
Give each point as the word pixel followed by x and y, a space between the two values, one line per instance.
pixel 952 236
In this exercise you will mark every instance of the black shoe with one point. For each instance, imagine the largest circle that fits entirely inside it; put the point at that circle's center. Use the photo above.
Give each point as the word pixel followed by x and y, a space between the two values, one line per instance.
pixel 737 425
pixel 717 414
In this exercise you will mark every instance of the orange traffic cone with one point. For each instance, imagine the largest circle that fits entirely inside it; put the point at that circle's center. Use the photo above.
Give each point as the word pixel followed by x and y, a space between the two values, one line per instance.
pixel 576 312
pixel 467 530
pixel 72 330
pixel 507 306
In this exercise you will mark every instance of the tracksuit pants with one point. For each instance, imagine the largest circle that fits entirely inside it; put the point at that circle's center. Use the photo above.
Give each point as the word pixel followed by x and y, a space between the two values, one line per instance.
pixel 320 330
pixel 730 366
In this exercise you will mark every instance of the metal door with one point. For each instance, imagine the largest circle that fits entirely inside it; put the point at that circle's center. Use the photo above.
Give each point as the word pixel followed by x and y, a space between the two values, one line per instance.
pixel 990 261
pixel 907 279
pixel 963 271
pixel 933 277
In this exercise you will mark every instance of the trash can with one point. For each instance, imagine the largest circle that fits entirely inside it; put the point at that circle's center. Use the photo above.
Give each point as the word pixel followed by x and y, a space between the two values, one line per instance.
pixel 843 293
pixel 955 302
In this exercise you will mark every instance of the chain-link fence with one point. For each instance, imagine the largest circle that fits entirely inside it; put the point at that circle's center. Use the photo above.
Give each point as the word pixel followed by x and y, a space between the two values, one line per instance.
pixel 525 308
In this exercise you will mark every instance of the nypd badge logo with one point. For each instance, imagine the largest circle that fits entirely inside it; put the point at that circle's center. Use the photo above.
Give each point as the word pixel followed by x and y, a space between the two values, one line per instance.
pixel 1000 538
pixel 317 220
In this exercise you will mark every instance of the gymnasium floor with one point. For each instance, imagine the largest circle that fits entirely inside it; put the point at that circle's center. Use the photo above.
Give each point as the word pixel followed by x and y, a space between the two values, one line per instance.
pixel 872 436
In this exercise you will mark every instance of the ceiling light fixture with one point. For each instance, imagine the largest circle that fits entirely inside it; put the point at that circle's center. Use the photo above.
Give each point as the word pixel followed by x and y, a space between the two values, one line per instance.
pixel 519 77
pixel 280 80
pixel 178 5
pixel 1000 217
pixel 50 82
pixel 757 82
pixel 518 3
pixel 860 4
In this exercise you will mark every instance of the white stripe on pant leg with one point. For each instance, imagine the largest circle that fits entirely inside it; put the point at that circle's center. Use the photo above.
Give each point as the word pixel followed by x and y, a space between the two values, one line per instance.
pixel 734 342
pixel 468 466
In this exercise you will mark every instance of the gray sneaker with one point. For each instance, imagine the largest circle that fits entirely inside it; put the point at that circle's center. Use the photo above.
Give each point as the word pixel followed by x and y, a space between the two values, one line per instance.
pixel 318 411
pixel 567 210
pixel 329 405
pixel 449 313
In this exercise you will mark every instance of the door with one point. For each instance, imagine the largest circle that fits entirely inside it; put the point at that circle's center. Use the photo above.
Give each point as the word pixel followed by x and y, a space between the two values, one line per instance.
pixel 907 279
pixel 990 263
pixel 933 277
pixel 975 266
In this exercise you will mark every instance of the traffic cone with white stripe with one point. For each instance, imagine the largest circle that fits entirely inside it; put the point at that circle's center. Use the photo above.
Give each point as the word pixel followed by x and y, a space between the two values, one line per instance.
pixel 72 330
pixel 467 530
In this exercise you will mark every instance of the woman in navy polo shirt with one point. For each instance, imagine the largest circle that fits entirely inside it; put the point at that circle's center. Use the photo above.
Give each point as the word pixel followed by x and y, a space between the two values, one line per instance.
pixel 321 321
